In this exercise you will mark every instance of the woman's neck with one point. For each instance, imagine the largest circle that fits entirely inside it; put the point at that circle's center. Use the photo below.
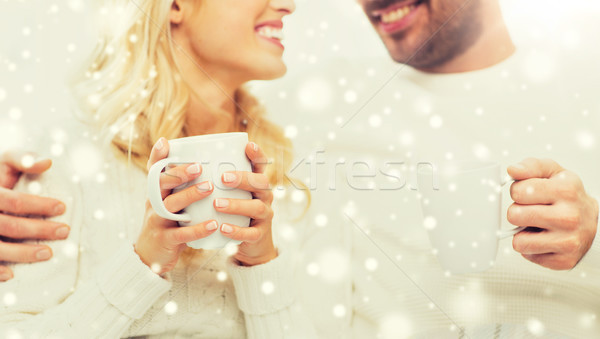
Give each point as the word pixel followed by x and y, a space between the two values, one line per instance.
pixel 212 107
pixel 210 112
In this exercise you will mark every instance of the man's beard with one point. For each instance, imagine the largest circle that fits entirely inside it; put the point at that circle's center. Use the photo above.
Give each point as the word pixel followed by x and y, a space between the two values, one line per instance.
pixel 450 32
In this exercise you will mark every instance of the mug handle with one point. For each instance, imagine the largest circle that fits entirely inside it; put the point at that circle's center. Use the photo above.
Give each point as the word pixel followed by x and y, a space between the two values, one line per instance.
pixel 154 192
pixel 508 233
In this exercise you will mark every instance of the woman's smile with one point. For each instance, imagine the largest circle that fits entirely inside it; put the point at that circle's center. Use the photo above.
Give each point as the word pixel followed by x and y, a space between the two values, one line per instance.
pixel 271 31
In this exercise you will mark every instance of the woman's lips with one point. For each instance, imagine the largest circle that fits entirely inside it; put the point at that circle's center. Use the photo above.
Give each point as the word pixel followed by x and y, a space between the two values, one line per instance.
pixel 271 31
pixel 397 17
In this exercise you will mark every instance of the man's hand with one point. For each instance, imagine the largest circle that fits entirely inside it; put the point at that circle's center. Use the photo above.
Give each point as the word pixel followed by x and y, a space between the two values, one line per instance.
pixel 562 215
pixel 14 205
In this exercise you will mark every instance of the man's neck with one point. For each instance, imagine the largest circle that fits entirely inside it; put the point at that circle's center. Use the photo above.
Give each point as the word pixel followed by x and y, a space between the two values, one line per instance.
pixel 493 46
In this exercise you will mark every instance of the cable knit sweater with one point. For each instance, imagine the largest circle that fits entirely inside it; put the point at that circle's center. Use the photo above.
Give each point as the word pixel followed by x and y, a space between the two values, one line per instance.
pixel 95 286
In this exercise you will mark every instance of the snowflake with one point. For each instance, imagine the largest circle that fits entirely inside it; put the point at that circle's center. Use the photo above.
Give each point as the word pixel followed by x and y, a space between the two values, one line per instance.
pixel 339 311
pixel 371 264
pixel 268 287
pixel 171 308
pixel 321 220
pixel 430 223
pixel 536 327
pixel 9 299
pixel 221 276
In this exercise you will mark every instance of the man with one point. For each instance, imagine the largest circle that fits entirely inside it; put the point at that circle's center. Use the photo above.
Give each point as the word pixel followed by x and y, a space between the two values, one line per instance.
pixel 467 95
pixel 436 36
pixel 467 41
pixel 13 205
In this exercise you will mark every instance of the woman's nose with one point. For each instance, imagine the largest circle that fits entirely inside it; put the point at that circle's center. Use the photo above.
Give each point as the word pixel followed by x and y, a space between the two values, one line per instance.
pixel 286 6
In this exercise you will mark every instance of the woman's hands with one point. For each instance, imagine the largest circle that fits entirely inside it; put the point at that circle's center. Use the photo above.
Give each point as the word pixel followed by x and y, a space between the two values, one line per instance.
pixel 257 241
pixel 161 240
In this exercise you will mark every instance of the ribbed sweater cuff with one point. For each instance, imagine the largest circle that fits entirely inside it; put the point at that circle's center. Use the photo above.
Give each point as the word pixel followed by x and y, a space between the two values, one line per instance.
pixel 130 285
pixel 592 257
pixel 263 289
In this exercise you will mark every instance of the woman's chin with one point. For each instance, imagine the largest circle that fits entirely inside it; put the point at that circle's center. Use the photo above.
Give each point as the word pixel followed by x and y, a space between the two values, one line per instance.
pixel 272 73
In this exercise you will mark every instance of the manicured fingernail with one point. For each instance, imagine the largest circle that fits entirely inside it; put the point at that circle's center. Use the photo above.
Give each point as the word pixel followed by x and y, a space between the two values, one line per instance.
pixel 194 169
pixel 221 203
pixel 254 146
pixel 59 209
pixel 519 166
pixel 205 186
pixel 62 232
pixel 159 144
pixel 211 226
pixel 43 254
pixel 229 177
pixel 4 276
pixel 226 228
pixel 40 159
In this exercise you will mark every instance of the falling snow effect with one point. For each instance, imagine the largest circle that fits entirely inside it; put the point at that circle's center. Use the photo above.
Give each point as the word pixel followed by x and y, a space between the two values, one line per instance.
pixel 487 128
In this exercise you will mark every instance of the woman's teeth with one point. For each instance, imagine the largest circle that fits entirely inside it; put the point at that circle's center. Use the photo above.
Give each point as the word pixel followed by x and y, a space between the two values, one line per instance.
pixel 396 15
pixel 270 32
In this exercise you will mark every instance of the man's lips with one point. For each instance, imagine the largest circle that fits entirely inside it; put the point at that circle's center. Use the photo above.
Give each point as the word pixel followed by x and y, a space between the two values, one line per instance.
pixel 395 17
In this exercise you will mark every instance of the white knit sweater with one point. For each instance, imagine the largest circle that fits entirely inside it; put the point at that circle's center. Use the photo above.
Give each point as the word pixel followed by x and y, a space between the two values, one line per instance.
pixel 95 286
pixel 372 261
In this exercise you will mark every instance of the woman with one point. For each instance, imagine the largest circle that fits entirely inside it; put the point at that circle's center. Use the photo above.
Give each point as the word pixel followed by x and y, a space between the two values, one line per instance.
pixel 168 69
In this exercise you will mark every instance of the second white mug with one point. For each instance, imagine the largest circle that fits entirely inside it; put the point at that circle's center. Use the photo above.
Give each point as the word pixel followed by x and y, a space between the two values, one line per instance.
pixel 462 204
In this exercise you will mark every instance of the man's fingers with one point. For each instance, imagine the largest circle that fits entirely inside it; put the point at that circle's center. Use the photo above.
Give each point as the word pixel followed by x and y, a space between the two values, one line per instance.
pixel 5 273
pixel 534 168
pixel 24 228
pixel 160 150
pixel 552 261
pixel 530 242
pixel 22 204
pixel 534 192
pixel 245 234
pixel 26 162
pixel 542 216
pixel 257 157
pixel 23 253
pixel 182 235
pixel 180 200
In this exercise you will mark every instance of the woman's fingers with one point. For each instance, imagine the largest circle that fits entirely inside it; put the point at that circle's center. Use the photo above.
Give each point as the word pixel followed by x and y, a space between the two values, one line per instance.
pixel 255 209
pixel 160 150
pixel 179 175
pixel 257 157
pixel 182 235
pixel 244 234
pixel 255 183
pixel 180 200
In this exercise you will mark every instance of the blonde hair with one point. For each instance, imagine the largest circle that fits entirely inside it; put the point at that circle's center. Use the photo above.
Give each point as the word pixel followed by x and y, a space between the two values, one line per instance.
pixel 134 90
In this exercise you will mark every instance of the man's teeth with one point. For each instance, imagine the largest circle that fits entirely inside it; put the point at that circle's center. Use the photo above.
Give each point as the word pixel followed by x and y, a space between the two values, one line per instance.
pixel 271 32
pixel 396 15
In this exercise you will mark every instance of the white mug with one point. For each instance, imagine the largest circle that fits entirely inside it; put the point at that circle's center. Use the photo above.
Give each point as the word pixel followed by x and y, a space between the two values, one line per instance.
pixel 462 206
pixel 217 153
